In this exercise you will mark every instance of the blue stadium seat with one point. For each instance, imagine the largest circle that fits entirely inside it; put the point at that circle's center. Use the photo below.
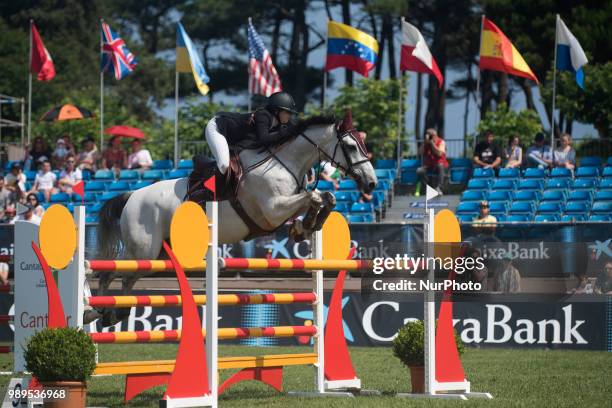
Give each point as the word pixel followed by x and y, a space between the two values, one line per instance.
pixel 556 183
pixel 59 198
pixel 348 185
pixel 459 175
pixel 153 175
pixel 362 208
pixel 410 163
pixel 325 185
pixel 385 174
pixel 518 218
pixel 513 173
pixel 577 207
pixel 600 217
pixel 522 207
pixel 580 195
pixel 91 219
pixel 93 208
pixel 466 217
pixel 480 173
pixel 603 195
pixel 550 207
pixel 162 165
pixel 386 164
pixel 553 195
pixel 378 198
pixel 527 195
pixel 534 173
pixel 573 217
pixel 342 206
pixel 129 175
pixel 478 184
pixel 561 172
pixel 368 218
pixel 606 184
pixel 355 218
pixel 383 185
pixel 473 195
pixel 584 183
pixel 30 175
pixel 602 207
pixel 177 173
pixel 104 175
pixel 547 218
pixel 499 195
pixel 498 207
pixel 9 163
pixel 609 161
pixel 500 217
pixel 185 164
pixel 468 207
pixel 587 172
pixel 119 186
pixel 461 162
pixel 88 198
pixel 408 171
pixel 95 186
pixel 530 184
pixel 140 184
pixel 349 196
pixel 108 195
pixel 607 172
pixel 590 161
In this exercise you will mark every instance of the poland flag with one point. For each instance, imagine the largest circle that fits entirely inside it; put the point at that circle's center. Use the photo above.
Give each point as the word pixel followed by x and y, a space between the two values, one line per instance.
pixel 415 53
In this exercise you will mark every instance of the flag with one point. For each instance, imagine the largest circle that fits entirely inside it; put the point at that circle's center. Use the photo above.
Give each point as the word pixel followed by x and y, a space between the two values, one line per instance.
pixel 211 184
pixel 498 54
pixel 263 78
pixel 187 60
pixel 570 55
pixel 350 48
pixel 115 54
pixel 79 189
pixel 415 55
pixel 41 63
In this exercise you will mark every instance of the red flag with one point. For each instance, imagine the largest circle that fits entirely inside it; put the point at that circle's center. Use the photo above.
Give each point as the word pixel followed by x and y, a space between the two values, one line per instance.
pixel 212 186
pixel 79 189
pixel 40 59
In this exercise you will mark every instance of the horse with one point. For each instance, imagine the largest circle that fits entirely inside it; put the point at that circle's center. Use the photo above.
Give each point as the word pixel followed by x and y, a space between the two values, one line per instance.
pixel 134 224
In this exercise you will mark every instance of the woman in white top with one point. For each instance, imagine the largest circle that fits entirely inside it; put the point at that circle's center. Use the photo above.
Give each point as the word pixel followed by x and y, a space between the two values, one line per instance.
pixel 45 181
pixel 139 158
pixel 565 155
pixel 513 153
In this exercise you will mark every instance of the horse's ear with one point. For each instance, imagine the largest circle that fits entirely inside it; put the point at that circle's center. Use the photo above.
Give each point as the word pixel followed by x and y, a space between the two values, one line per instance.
pixel 347 121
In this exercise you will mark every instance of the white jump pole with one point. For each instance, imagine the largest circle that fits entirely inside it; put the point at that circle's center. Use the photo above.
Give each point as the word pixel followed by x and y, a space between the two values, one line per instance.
pixel 429 312
pixel 212 305
pixel 317 276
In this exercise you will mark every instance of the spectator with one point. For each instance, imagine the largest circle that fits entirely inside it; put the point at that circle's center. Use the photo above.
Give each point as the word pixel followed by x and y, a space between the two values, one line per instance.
pixel 329 173
pixel 69 144
pixel 88 156
pixel 60 153
pixel 32 199
pixel 513 153
pixel 487 155
pixel 15 181
pixel 485 222
pixel 583 284
pixel 508 278
pixel 45 181
pixel 434 159
pixel 7 201
pixel 70 176
pixel 538 154
pixel 114 157
pixel 140 158
pixel 4 273
pixel 603 285
pixel 38 154
pixel 565 155
pixel 27 214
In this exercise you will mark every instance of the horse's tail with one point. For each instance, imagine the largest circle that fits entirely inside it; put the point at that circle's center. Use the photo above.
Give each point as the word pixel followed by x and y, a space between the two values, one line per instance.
pixel 109 232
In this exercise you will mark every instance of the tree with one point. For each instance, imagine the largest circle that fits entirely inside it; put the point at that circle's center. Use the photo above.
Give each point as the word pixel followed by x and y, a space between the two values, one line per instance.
pixel 505 123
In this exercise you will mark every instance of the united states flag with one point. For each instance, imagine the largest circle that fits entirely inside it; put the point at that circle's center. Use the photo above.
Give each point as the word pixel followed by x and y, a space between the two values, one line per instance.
pixel 263 78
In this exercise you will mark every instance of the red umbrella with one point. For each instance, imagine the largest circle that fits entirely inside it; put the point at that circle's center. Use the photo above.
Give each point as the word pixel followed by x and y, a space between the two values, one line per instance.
pixel 125 131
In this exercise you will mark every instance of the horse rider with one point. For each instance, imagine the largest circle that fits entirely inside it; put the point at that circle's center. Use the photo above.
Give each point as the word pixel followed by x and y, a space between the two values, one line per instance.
pixel 264 127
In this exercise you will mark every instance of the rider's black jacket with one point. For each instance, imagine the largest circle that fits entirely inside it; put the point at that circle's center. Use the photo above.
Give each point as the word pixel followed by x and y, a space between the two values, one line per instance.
pixel 252 129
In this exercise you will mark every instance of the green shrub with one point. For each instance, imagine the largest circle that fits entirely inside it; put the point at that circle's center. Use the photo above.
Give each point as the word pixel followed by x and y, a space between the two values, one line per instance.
pixel 65 354
pixel 409 345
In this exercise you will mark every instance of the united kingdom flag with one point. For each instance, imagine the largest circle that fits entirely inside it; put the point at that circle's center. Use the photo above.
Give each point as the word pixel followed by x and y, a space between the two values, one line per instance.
pixel 115 54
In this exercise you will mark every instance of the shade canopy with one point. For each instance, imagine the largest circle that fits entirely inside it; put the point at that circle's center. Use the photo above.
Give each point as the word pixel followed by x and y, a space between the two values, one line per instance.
pixel 125 131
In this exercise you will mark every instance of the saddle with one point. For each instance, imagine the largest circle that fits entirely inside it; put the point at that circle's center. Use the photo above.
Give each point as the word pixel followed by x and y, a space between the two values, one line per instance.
pixel 226 185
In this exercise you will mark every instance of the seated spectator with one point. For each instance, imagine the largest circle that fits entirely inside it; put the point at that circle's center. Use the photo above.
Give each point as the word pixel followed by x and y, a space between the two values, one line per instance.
pixel 88 156
pixel 27 214
pixel 487 154
pixel 45 181
pixel 60 153
pixel 583 284
pixel 38 154
pixel 15 181
pixel 485 222
pixel 329 173
pixel 32 199
pixel 114 157
pixel 140 158
pixel 70 176
pixel 434 160
pixel 507 278
pixel 603 285
pixel 565 155
pixel 538 154
pixel 7 201
pixel 69 144
pixel 513 154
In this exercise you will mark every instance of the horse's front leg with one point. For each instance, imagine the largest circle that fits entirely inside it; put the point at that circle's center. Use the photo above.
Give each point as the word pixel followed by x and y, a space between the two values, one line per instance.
pixel 286 207
pixel 329 203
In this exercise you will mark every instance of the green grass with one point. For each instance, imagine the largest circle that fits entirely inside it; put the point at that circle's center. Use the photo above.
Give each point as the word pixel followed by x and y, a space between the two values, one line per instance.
pixel 530 378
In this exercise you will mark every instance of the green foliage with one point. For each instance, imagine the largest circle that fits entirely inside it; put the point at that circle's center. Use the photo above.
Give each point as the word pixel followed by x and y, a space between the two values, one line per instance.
pixel 409 344
pixel 375 108
pixel 65 354
pixel 591 105
pixel 505 123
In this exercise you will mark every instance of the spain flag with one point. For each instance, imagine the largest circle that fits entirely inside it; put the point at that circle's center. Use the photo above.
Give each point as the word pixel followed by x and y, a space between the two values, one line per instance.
pixel 498 54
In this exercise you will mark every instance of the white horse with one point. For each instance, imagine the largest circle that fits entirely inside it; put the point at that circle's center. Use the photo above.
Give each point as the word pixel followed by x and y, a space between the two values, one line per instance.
pixel 270 194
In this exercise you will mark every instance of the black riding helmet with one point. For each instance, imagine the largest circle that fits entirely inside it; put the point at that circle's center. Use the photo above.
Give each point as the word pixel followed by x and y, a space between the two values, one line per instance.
pixel 281 100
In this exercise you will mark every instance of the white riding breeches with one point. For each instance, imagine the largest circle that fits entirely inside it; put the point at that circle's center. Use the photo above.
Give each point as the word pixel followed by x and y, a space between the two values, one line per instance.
pixel 218 145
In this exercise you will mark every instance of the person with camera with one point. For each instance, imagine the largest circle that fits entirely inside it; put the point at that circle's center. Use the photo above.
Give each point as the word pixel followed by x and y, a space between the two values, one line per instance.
pixel 433 152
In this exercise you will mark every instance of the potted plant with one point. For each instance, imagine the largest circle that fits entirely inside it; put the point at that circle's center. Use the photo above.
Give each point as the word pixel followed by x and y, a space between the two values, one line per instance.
pixel 62 359
pixel 409 347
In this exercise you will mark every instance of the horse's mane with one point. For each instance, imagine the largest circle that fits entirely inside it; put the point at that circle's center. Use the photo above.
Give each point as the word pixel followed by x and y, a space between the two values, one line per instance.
pixel 305 123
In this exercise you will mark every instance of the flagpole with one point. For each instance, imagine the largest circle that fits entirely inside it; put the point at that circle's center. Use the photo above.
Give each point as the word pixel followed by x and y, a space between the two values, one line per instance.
pixel 324 91
pixel 554 94
pixel 478 96
pixel 101 88
pixel 30 88
pixel 176 116
pixel 249 73
pixel 399 123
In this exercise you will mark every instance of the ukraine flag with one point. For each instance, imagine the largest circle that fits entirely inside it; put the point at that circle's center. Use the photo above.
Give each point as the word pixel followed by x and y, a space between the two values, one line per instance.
pixel 187 60
pixel 350 48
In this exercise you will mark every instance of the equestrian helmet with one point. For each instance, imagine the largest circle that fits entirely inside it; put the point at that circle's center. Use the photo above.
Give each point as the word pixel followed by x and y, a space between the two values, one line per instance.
pixel 281 100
